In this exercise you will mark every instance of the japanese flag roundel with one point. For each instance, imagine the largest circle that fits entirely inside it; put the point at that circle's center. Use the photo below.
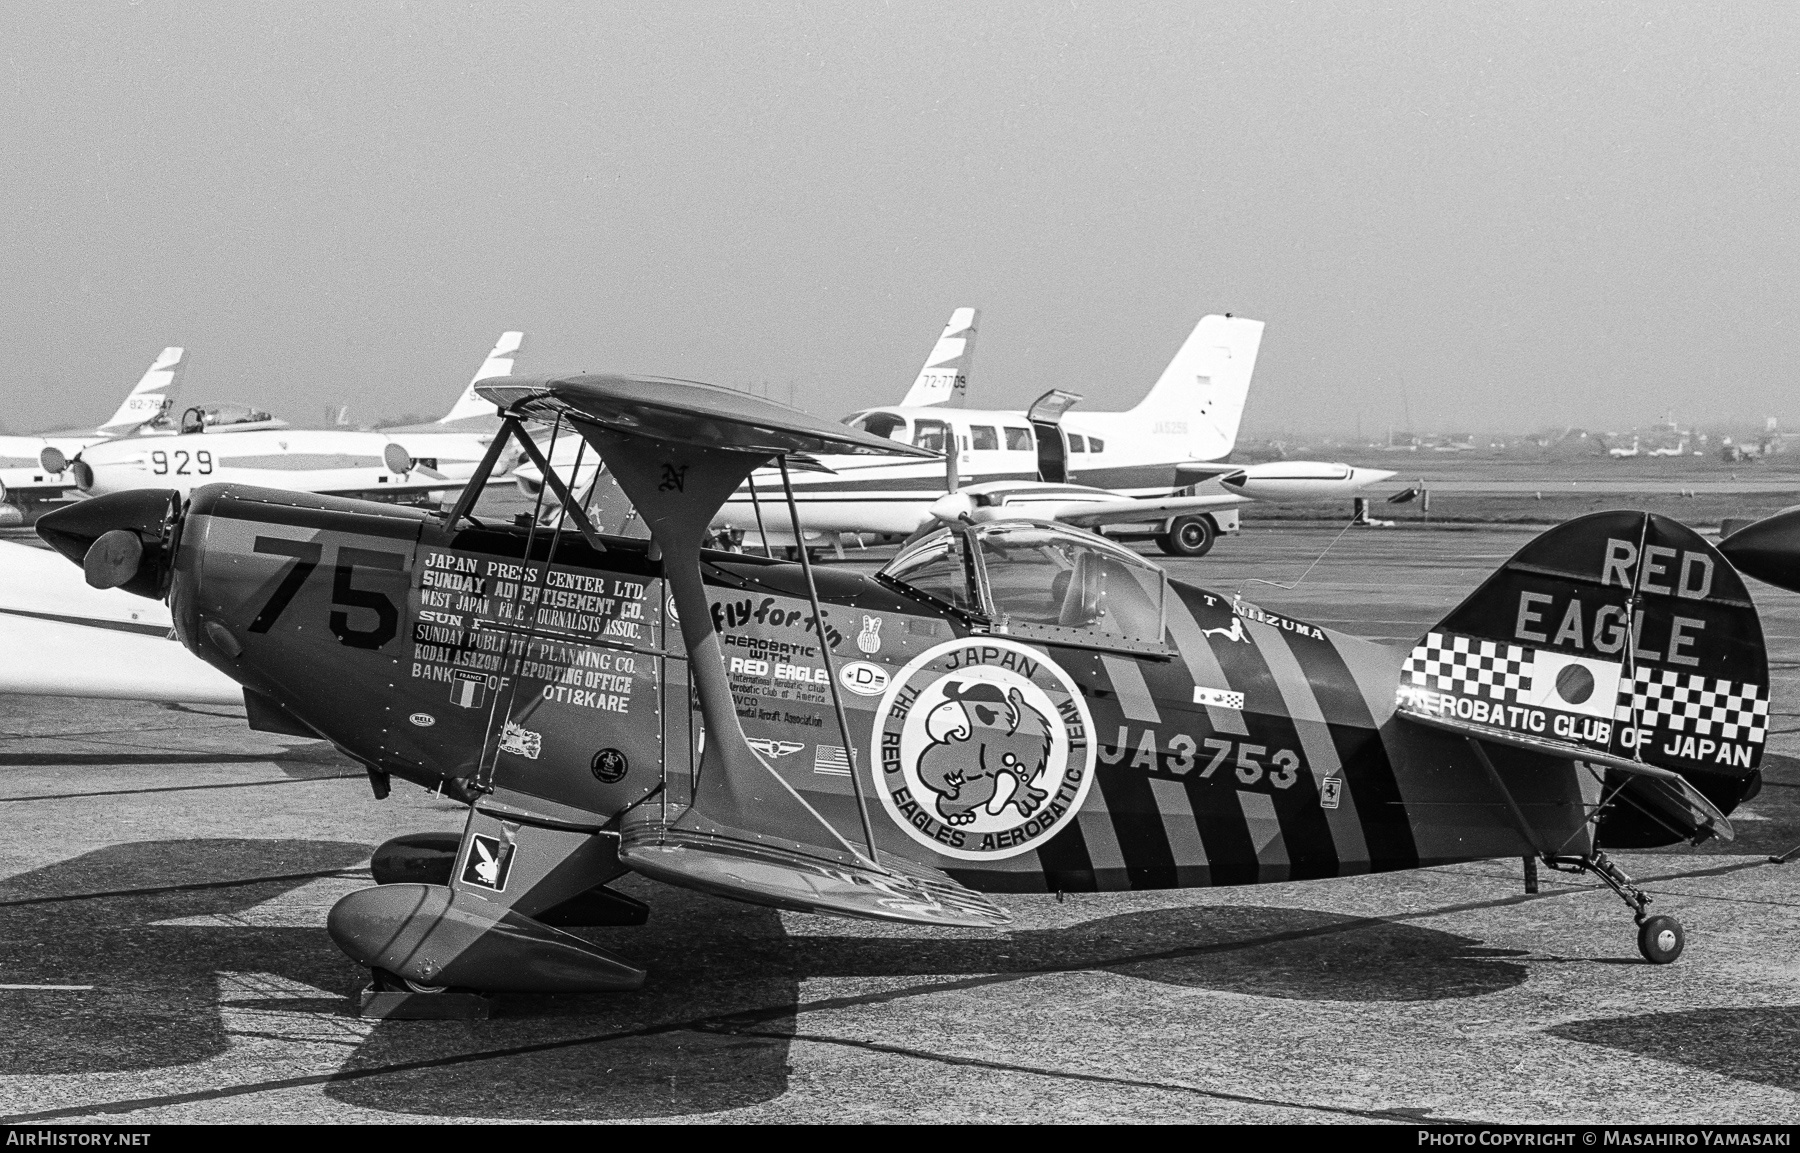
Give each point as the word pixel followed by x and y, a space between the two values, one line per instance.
pixel 1571 684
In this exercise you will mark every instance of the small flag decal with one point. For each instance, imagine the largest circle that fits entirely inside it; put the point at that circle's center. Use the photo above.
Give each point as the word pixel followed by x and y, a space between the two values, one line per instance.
pixel 1219 698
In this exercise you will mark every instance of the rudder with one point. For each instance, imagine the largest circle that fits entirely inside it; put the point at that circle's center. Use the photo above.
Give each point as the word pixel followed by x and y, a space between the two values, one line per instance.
pixel 1621 633
pixel 153 393
pixel 1199 398
pixel 945 378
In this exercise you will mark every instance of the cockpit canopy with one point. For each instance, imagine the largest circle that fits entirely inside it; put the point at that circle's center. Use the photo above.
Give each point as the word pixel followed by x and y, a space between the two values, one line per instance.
pixel 1041 581
pixel 221 417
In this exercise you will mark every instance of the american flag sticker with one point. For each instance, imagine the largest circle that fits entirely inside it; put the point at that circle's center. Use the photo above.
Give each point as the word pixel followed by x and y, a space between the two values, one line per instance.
pixel 469 690
pixel 1219 698
pixel 831 760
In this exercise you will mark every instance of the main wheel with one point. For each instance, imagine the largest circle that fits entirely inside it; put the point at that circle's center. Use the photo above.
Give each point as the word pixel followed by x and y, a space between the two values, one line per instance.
pixel 1188 536
pixel 386 982
pixel 1660 940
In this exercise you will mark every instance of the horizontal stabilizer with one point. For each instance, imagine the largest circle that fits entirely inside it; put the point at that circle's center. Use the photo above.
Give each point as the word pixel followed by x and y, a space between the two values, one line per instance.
pixel 1668 794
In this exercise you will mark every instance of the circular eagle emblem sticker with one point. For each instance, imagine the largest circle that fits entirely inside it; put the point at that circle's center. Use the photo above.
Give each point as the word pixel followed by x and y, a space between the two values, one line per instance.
pixel 985 749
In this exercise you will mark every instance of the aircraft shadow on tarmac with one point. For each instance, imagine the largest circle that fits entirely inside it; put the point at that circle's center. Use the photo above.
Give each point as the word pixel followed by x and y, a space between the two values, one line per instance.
pixel 305 759
pixel 1752 1044
pixel 708 1032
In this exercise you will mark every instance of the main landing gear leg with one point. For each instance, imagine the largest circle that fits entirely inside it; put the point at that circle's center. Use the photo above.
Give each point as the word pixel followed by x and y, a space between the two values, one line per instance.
pixel 1660 939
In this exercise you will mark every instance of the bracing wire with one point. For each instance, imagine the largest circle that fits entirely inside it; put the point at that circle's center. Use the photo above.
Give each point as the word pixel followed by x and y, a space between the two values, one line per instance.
pixel 1309 568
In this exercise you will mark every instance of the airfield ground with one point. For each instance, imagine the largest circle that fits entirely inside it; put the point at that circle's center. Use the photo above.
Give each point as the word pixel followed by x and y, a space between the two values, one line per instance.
pixel 173 870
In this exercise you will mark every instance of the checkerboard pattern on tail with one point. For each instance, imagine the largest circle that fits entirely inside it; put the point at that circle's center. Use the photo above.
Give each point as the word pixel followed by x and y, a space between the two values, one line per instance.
pixel 1704 706
pixel 1469 666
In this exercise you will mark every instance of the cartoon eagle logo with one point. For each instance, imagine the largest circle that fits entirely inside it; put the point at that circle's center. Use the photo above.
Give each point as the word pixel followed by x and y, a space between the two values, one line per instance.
pixel 988 748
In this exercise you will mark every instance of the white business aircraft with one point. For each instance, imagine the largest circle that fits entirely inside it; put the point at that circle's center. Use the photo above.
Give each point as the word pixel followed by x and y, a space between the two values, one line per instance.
pixel 60 638
pixel 26 475
pixel 246 447
pixel 1146 471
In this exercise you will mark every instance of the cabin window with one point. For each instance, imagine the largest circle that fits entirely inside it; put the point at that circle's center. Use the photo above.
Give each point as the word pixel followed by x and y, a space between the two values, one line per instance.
pixel 1019 440
pixel 1095 444
pixel 883 424
pixel 930 434
pixel 1076 444
pixel 1059 583
pixel 983 437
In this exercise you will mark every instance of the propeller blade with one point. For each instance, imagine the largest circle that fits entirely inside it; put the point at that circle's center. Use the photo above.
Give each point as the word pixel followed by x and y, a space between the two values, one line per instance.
pixel 398 460
pixel 113 559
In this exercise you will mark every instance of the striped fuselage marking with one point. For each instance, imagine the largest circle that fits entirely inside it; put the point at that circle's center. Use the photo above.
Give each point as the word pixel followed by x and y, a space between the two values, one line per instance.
pixel 1165 824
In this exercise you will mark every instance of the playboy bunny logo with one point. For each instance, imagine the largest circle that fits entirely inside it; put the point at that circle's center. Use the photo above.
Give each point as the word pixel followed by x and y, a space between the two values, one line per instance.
pixel 488 863
pixel 869 640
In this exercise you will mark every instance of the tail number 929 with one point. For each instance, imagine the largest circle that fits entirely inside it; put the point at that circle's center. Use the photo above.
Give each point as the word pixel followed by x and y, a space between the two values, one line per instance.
pixel 186 463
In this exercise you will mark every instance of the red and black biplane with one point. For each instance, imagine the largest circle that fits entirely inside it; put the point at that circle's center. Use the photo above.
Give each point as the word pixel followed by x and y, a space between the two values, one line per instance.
pixel 1007 707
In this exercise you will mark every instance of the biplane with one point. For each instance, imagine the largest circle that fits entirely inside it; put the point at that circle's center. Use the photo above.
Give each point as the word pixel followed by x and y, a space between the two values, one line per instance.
pixel 1007 707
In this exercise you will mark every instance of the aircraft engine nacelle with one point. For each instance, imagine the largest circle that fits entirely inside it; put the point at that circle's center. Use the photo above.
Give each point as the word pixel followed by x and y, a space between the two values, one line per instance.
pixel 1293 480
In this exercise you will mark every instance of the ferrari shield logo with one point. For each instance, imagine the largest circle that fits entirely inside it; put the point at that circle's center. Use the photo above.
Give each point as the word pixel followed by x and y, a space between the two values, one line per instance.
pixel 984 749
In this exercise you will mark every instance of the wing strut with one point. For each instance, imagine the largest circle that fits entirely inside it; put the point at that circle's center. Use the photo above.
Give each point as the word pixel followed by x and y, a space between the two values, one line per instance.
pixel 837 701
pixel 678 450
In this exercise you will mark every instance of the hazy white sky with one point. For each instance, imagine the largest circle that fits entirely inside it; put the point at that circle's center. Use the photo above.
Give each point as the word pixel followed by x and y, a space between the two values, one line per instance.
pixel 1529 213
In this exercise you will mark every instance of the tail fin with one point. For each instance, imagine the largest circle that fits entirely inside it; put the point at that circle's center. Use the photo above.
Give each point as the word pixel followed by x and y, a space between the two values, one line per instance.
pixel 1622 639
pixel 499 362
pixel 155 392
pixel 1200 397
pixel 945 378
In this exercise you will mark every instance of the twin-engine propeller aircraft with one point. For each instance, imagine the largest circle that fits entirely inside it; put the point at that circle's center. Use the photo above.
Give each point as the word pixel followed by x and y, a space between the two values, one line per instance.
pixel 34 469
pixel 217 445
pixel 1007 707
pixel 1151 471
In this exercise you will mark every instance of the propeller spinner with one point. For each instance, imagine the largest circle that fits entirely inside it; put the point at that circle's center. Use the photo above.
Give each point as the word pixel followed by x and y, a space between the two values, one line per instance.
pixel 121 540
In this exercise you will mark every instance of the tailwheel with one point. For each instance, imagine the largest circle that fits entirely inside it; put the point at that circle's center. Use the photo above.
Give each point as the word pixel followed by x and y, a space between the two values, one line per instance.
pixel 1661 940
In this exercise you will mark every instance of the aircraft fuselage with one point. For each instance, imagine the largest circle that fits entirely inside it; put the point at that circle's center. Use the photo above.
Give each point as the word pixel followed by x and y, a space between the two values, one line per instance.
pixel 1260 748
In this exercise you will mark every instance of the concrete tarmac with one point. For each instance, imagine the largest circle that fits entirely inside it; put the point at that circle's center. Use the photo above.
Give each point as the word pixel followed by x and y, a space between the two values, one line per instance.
pixel 165 888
